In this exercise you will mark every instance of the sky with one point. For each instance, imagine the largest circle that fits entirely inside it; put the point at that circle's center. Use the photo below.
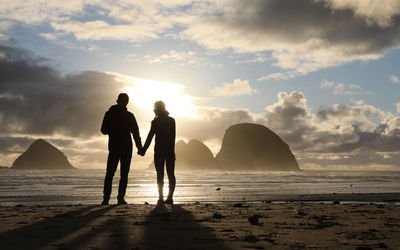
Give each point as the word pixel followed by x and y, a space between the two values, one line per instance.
pixel 322 74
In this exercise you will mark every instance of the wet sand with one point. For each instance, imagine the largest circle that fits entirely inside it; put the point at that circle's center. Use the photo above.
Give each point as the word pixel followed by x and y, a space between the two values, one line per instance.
pixel 299 222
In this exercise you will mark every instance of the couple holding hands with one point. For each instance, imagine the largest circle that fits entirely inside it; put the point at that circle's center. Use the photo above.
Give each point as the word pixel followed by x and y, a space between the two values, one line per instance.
pixel 118 124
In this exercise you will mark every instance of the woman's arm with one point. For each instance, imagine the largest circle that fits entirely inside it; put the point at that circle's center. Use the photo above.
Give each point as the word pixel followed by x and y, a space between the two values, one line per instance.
pixel 149 138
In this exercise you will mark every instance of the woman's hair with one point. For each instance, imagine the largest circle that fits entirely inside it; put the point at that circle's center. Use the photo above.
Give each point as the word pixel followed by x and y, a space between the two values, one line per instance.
pixel 159 108
pixel 159 105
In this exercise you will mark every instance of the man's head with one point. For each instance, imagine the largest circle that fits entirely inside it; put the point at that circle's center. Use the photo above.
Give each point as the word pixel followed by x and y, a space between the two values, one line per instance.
pixel 123 99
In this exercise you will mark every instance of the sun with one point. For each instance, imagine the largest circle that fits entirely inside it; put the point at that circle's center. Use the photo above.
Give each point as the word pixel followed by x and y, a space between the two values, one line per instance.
pixel 145 92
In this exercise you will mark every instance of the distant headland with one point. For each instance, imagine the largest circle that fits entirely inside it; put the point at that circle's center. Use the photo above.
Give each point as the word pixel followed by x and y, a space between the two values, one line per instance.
pixel 42 155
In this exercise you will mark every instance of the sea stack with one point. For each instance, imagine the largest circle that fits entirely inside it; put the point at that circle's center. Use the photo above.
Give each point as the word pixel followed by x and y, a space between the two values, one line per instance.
pixel 248 146
pixel 193 155
pixel 42 155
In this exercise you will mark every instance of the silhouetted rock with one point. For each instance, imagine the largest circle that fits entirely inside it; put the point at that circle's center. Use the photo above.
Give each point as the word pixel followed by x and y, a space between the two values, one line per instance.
pixel 42 155
pixel 218 216
pixel 248 146
pixel 253 219
pixel 193 155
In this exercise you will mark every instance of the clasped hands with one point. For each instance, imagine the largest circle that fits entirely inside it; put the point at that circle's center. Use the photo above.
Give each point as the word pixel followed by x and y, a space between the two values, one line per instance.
pixel 141 152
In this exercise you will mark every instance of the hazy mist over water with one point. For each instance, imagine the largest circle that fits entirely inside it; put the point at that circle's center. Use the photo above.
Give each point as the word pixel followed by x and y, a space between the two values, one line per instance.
pixel 85 186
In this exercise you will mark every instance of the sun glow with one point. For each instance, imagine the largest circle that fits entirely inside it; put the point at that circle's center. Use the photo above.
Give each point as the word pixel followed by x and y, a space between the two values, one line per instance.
pixel 145 92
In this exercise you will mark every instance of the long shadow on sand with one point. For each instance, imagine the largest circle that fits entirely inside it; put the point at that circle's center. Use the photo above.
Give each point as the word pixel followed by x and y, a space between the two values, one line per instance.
pixel 46 232
pixel 177 228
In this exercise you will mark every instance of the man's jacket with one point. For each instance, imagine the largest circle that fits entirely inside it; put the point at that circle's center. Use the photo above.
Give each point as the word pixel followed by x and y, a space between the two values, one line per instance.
pixel 118 124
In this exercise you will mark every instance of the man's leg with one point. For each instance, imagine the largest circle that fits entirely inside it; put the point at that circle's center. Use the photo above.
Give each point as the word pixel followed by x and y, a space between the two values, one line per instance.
pixel 123 182
pixel 170 162
pixel 112 164
pixel 159 164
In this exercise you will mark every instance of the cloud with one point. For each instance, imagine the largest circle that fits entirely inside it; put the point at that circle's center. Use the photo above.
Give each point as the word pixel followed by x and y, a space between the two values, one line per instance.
pixel 36 12
pixel 47 102
pixel 394 79
pixel 67 111
pixel 183 57
pixel 398 107
pixel 339 88
pixel 279 76
pixel 302 35
pixel 373 12
pixel 348 131
pixel 212 122
pixel 236 88
pixel 256 59
pixel 132 21
pixel 101 30
pixel 4 38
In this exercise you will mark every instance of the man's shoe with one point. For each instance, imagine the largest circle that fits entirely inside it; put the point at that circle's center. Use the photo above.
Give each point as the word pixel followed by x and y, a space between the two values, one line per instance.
pixel 169 201
pixel 104 203
pixel 122 202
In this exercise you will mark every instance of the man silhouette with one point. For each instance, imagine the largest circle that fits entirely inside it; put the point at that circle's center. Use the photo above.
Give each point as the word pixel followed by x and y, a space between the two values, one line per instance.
pixel 163 126
pixel 118 124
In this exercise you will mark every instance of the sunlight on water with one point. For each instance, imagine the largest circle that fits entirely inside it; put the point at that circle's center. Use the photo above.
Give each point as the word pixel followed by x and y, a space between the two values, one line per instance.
pixel 86 186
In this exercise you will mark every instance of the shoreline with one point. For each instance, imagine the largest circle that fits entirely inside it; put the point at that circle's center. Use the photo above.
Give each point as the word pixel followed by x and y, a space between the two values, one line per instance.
pixel 348 198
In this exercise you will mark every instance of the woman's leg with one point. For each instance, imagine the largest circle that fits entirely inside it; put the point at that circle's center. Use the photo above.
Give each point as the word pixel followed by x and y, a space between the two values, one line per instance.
pixel 159 164
pixel 170 162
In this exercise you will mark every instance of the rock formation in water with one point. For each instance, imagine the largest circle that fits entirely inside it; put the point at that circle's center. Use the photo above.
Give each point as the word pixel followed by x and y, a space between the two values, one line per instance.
pixel 193 155
pixel 42 155
pixel 249 146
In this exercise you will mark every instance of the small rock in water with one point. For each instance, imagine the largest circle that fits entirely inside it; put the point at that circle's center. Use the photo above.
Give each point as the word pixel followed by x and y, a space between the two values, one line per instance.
pixel 146 203
pixel 218 216
pixel 253 219
pixel 301 213
pixel 19 205
pixel 238 205
pixel 197 203
pixel 250 238
pixel 383 245
pixel 336 202
pixel 218 189
pixel 267 201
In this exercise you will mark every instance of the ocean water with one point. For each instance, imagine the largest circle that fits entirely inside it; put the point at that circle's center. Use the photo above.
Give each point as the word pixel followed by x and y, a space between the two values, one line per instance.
pixel 41 187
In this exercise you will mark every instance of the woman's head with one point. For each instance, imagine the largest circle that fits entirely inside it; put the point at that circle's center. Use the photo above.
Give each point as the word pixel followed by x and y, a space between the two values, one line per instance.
pixel 159 108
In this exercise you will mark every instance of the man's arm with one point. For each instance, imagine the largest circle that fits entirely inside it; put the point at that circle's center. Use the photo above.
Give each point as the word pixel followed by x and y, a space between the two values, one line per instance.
pixel 135 132
pixel 174 133
pixel 105 126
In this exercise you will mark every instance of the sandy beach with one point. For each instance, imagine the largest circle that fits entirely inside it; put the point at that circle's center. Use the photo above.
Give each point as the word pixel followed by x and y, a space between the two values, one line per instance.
pixel 296 223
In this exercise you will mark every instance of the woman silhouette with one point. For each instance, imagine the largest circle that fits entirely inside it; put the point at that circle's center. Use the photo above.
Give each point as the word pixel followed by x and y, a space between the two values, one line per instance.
pixel 163 126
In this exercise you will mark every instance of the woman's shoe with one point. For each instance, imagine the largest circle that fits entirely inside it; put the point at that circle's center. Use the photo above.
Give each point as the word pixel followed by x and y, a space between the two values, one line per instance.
pixel 169 201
